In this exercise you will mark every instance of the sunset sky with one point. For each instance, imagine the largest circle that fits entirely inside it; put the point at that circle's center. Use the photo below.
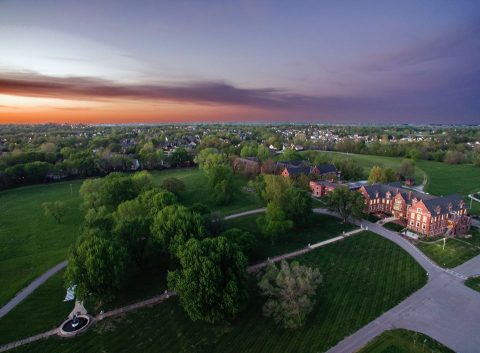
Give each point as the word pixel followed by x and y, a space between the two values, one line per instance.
pixel 339 61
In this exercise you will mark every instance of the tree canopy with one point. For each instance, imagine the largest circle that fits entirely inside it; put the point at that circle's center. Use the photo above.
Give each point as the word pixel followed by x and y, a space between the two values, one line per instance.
pixel 212 279
pixel 290 289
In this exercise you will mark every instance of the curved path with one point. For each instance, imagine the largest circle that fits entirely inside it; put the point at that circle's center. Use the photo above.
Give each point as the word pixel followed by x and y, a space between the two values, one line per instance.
pixel 25 292
pixel 444 309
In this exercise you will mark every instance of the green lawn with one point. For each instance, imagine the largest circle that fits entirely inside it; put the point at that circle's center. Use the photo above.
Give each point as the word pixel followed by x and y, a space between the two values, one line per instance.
pixel 456 251
pixel 322 227
pixel 364 276
pixel 474 283
pixel 31 243
pixel 368 161
pixel 393 226
pixel 404 341
pixel 198 190
pixel 43 310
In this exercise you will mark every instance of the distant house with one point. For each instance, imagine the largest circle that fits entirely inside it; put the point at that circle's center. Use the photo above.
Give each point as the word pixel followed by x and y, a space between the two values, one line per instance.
pixel 249 166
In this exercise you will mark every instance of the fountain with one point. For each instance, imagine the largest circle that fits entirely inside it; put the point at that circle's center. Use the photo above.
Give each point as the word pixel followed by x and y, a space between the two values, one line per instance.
pixel 74 325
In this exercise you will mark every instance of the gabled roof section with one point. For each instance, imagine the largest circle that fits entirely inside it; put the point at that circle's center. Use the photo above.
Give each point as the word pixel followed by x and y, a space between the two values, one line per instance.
pixel 326 168
pixel 444 203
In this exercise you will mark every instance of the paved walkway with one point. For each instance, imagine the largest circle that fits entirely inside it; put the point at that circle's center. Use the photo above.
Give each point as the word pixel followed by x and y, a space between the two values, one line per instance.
pixel 309 248
pixel 25 292
pixel 246 213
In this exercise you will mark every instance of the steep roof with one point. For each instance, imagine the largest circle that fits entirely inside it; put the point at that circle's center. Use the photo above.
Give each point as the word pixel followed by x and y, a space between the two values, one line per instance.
pixel 443 203
pixel 326 168
pixel 407 194
pixel 297 170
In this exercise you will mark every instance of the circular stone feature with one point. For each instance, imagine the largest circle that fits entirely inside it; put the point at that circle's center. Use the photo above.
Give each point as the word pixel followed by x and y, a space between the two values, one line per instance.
pixel 74 325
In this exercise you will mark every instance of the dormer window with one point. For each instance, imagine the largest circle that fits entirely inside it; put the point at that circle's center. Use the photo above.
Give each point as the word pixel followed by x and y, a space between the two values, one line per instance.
pixel 388 195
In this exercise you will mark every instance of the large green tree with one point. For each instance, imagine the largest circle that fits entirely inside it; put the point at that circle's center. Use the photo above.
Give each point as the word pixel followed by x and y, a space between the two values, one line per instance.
pixel 274 223
pixel 56 210
pixel 174 225
pixel 347 203
pixel 212 279
pixel 132 226
pixel 375 175
pixel 97 265
pixel 290 290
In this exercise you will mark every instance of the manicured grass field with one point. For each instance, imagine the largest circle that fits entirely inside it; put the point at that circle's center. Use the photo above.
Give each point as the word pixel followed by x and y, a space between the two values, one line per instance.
pixel 393 226
pixel 363 276
pixel 43 310
pixel 31 243
pixel 404 341
pixel 322 227
pixel 474 283
pixel 368 161
pixel 198 190
pixel 456 251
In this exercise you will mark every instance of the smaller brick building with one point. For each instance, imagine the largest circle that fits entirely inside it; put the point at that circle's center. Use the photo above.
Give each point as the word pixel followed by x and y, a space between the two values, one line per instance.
pixel 322 187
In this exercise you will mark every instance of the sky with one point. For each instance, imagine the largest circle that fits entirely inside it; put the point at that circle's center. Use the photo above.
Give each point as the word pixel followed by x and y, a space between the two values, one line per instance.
pixel 146 61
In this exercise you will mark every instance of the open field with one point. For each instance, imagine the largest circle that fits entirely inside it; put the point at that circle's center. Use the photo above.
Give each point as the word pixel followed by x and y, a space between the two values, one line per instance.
pixel 31 243
pixel 456 251
pixel 368 161
pixel 198 190
pixel 404 341
pixel 363 276
pixel 322 227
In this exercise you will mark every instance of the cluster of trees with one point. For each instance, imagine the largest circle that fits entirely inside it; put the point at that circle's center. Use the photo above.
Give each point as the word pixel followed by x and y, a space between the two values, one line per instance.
pixel 125 214
pixel 287 205
pixel 406 170
pixel 443 149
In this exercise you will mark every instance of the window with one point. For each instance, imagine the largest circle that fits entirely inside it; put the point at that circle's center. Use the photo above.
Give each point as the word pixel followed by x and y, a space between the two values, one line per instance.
pixel 419 210
pixel 418 224
pixel 423 226
pixel 411 222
